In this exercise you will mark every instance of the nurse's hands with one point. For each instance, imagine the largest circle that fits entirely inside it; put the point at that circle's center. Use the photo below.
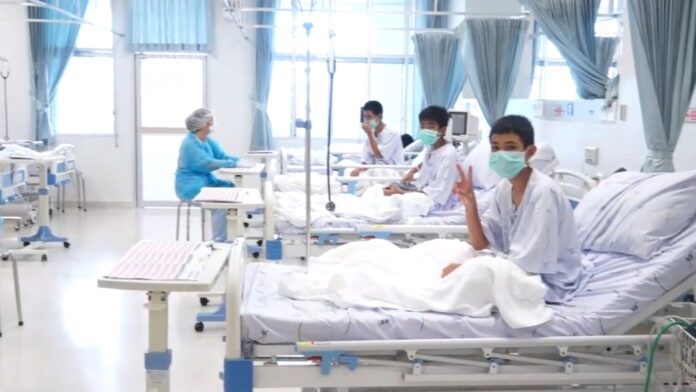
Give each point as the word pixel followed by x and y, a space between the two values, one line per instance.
pixel 464 188
pixel 229 163
pixel 449 269
pixel 356 172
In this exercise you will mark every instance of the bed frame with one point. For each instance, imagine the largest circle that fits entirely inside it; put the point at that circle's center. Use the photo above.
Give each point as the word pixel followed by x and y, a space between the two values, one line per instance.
pixel 616 360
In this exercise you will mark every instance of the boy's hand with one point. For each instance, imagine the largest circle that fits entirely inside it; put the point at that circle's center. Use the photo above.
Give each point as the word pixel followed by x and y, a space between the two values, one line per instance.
pixel 408 178
pixel 449 269
pixel 464 188
pixel 392 190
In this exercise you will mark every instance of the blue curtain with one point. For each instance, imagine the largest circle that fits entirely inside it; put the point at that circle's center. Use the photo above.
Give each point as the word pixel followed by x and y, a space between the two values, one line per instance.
pixel 663 33
pixel 440 66
pixel 570 26
pixel 52 45
pixel 262 136
pixel 493 51
pixel 171 25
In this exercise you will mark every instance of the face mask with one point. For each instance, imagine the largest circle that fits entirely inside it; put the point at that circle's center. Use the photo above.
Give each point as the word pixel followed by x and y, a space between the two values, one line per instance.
pixel 427 136
pixel 374 123
pixel 507 164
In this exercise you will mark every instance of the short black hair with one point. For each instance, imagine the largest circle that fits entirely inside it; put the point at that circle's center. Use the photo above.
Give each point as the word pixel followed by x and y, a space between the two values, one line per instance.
pixel 435 113
pixel 406 139
pixel 519 125
pixel 374 107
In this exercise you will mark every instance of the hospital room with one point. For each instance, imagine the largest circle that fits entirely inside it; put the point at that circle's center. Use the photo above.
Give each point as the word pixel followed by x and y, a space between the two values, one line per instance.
pixel 347 195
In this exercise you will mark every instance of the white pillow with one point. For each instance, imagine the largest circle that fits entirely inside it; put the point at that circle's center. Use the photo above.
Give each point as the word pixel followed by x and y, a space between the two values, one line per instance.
pixel 636 213
pixel 478 157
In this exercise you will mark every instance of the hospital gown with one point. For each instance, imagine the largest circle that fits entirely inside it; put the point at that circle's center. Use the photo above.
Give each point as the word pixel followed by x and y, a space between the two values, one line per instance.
pixel 389 144
pixel 197 161
pixel 539 236
pixel 437 177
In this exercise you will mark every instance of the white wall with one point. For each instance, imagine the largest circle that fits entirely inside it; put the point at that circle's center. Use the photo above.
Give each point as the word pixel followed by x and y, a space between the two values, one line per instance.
pixel 109 163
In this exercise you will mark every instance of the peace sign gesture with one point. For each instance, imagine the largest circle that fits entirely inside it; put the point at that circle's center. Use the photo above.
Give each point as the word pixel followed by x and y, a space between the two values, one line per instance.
pixel 464 188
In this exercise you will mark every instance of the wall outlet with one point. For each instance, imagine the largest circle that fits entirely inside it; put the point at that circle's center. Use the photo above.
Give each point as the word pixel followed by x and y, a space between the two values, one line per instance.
pixel 591 155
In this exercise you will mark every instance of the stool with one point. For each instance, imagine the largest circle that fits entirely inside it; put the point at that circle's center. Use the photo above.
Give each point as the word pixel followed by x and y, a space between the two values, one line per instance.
pixel 189 204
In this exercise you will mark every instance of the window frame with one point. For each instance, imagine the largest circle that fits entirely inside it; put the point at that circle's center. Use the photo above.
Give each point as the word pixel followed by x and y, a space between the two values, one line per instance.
pixel 298 61
pixel 104 53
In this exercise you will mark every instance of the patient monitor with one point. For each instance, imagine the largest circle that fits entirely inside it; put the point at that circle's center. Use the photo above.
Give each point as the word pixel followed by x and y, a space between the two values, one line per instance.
pixel 464 128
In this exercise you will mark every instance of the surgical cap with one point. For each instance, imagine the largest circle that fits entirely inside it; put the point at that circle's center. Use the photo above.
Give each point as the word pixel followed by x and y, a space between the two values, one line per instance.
pixel 198 119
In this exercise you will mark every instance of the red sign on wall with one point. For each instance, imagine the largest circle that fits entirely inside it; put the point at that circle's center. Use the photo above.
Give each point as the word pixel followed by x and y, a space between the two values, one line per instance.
pixel 690 115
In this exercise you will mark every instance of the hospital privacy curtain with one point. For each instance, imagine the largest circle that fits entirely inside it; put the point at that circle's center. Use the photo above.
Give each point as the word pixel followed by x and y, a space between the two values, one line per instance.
pixel 440 67
pixel 262 135
pixel 663 33
pixel 171 25
pixel 570 26
pixel 493 51
pixel 52 45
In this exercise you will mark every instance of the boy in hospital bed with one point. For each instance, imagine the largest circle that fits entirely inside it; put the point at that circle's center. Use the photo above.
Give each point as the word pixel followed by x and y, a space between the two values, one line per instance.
pixel 437 171
pixel 530 221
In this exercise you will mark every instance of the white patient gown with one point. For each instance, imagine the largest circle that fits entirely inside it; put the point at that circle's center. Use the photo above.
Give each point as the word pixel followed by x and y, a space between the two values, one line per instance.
pixel 437 177
pixel 539 236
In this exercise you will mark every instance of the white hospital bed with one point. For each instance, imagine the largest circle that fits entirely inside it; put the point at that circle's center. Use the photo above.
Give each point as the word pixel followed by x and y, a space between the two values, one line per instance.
pixel 331 230
pixel 274 341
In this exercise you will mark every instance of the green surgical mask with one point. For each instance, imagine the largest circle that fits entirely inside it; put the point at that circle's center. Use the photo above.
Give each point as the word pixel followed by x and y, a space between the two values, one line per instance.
pixel 427 136
pixel 374 123
pixel 507 164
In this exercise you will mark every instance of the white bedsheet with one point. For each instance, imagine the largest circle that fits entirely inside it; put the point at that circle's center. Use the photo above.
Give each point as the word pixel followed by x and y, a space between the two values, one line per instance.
pixel 378 274
pixel 372 206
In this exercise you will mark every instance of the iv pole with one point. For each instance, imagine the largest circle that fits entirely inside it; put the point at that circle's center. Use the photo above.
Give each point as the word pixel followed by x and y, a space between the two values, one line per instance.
pixel 331 68
pixel 307 125
pixel 4 74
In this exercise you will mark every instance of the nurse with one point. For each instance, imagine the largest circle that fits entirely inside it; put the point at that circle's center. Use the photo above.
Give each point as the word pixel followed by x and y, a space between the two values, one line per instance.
pixel 199 156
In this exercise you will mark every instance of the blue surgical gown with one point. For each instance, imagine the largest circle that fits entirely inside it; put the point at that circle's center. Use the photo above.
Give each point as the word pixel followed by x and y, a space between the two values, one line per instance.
pixel 538 235
pixel 197 162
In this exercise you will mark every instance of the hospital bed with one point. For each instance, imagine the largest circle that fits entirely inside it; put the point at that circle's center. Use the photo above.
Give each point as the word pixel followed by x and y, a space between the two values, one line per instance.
pixel 330 230
pixel 596 339
pixel 587 343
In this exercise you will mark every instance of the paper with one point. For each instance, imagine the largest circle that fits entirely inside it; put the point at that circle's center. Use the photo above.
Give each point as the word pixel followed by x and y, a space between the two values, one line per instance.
pixel 221 195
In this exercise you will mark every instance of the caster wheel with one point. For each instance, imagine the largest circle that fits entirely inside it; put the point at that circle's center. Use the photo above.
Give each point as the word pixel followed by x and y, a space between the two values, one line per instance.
pixel 204 301
pixel 246 225
pixel 5 258
pixel 259 242
pixel 198 327
pixel 255 255
pixel 44 258
pixel 66 245
pixel 26 243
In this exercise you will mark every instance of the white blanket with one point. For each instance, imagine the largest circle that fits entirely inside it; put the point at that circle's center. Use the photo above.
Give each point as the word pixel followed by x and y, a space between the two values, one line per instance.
pixel 378 274
pixel 372 206
pixel 295 182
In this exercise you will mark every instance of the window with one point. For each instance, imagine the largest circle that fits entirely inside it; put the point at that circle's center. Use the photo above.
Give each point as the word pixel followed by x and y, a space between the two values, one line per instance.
pixel 552 78
pixel 84 103
pixel 374 60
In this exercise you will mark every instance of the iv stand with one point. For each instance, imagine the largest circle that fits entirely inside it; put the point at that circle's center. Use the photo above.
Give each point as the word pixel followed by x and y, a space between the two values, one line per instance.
pixel 331 68
pixel 4 74
pixel 307 125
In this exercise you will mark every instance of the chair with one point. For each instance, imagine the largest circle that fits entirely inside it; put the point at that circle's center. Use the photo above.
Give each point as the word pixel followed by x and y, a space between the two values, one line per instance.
pixel 188 205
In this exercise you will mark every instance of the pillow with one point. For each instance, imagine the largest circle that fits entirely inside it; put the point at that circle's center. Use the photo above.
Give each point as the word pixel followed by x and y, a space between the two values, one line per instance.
pixel 478 157
pixel 636 213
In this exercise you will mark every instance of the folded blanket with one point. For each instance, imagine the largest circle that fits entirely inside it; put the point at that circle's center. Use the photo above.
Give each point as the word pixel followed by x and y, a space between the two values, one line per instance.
pixel 378 274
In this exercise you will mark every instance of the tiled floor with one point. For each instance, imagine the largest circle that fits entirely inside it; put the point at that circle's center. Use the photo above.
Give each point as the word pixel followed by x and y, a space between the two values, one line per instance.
pixel 80 338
